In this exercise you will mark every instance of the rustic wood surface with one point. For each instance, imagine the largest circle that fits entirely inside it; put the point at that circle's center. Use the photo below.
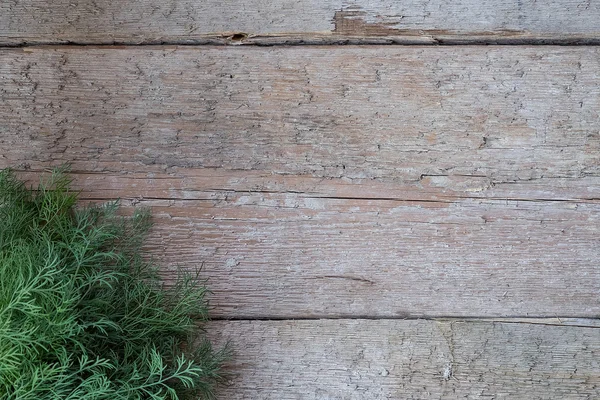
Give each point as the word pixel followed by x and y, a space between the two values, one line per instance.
pixel 361 185
pixel 286 256
pixel 298 21
pixel 464 119
pixel 328 182
pixel 396 359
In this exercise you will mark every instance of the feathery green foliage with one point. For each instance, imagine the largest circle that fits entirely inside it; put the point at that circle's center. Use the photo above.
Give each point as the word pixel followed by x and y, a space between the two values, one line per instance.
pixel 82 315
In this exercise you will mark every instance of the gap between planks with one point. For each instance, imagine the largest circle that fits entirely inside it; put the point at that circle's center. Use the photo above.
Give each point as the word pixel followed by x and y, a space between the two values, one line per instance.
pixel 556 321
pixel 273 41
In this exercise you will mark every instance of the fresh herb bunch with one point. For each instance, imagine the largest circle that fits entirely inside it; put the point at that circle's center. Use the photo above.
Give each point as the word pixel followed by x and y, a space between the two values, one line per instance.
pixel 82 314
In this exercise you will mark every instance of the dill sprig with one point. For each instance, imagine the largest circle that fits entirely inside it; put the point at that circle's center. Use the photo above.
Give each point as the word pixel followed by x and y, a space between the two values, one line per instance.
pixel 82 315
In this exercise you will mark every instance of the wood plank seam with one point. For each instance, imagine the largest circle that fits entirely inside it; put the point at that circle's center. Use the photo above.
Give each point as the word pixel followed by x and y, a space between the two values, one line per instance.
pixel 317 40
pixel 583 322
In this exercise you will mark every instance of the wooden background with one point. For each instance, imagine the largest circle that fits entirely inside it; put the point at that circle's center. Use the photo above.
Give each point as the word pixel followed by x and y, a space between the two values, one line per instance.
pixel 391 199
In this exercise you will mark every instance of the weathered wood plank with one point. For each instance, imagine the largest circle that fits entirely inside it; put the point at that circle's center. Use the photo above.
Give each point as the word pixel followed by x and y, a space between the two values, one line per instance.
pixel 296 21
pixel 445 122
pixel 395 359
pixel 310 256
pixel 285 256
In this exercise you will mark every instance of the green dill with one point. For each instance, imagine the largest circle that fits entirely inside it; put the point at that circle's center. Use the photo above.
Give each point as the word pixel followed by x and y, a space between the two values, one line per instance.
pixel 82 314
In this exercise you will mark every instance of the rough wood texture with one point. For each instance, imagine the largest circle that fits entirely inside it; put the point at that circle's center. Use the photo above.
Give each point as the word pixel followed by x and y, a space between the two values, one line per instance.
pixel 287 256
pixel 342 182
pixel 466 120
pixel 298 21
pixel 369 360
pixel 327 181
pixel 290 255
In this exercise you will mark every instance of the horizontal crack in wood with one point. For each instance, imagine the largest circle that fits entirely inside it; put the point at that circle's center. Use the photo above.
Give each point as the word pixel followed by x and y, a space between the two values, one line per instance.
pixel 348 277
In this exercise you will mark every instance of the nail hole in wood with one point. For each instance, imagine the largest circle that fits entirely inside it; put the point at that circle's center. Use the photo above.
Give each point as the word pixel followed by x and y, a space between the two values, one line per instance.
pixel 239 36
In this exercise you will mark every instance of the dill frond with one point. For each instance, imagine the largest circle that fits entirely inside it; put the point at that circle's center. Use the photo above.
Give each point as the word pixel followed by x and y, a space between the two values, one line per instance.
pixel 82 315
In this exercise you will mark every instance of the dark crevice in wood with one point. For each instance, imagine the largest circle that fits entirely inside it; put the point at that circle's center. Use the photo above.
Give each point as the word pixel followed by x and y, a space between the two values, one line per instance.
pixel 453 199
pixel 565 321
pixel 329 40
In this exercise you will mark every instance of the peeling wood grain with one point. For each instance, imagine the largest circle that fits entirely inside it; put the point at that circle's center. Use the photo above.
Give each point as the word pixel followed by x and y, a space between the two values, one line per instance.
pixel 297 22
pixel 371 360
pixel 460 22
pixel 498 122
